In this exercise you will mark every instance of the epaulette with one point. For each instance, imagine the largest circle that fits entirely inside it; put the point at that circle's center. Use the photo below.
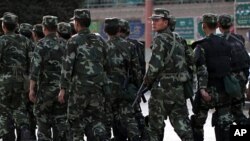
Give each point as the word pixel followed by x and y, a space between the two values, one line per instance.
pixel 195 43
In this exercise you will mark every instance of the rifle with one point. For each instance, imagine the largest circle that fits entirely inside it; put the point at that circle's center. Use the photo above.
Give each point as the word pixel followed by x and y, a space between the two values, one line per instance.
pixel 140 94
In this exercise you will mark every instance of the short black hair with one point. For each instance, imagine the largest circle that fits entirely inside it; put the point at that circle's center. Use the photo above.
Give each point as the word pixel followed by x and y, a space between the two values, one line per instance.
pixel 27 34
pixel 64 36
pixel 111 29
pixel 51 28
pixel 85 22
pixel 211 25
pixel 10 26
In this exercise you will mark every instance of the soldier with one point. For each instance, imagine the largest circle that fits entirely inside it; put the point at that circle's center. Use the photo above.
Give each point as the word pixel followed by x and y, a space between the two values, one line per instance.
pixel 139 48
pixel 64 30
pixel 125 77
pixel 83 74
pixel 240 63
pixel 212 57
pixel 15 61
pixel 165 77
pixel 37 32
pixel 25 29
pixel 46 69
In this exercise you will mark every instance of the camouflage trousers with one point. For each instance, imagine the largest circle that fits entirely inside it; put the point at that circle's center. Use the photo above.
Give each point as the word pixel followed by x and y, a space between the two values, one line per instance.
pixel 124 124
pixel 85 113
pixel 222 117
pixel 238 102
pixel 12 107
pixel 169 102
pixel 50 114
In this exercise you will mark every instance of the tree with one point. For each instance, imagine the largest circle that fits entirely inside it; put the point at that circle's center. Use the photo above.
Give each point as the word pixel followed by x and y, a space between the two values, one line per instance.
pixel 32 11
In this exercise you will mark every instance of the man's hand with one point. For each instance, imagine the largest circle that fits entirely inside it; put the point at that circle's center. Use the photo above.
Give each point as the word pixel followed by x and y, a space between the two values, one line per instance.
pixel 61 96
pixel 205 95
pixel 32 96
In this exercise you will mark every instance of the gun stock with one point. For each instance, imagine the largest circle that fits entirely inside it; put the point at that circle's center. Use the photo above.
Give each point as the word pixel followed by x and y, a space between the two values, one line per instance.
pixel 140 94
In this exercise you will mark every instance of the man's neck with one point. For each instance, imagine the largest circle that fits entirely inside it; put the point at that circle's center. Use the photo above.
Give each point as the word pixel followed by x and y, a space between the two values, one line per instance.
pixel 209 32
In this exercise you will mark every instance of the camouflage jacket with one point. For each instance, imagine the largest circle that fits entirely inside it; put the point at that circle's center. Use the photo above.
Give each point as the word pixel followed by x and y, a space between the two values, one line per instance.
pixel 189 54
pixel 124 62
pixel 47 60
pixel 15 53
pixel 163 65
pixel 84 61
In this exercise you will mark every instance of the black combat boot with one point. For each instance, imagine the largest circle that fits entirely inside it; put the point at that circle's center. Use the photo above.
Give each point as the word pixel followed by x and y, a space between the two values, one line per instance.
pixel 198 135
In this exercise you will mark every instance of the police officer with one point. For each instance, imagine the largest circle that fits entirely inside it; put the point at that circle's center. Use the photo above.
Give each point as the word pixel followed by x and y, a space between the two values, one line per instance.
pixel 212 57
pixel 240 63
pixel 15 61
pixel 37 32
pixel 83 74
pixel 64 30
pixel 165 77
pixel 125 77
pixel 46 69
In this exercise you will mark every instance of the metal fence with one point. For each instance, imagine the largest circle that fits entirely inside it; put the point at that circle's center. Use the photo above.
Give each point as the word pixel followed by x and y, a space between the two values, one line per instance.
pixel 123 3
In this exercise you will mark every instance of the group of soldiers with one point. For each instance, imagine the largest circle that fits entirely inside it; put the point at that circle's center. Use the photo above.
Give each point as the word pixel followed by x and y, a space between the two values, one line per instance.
pixel 69 83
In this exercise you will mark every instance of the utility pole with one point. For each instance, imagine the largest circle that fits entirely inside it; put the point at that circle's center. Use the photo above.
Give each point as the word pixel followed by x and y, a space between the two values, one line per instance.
pixel 148 27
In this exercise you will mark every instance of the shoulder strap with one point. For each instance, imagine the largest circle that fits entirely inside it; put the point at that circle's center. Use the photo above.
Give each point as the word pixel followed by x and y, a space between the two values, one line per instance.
pixel 172 49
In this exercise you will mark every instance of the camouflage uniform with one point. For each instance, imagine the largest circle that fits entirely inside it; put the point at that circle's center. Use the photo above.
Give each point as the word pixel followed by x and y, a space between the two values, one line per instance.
pixel 165 77
pixel 46 69
pixel 125 76
pixel 140 52
pixel 25 29
pixel 212 56
pixel 83 71
pixel 15 61
pixel 240 65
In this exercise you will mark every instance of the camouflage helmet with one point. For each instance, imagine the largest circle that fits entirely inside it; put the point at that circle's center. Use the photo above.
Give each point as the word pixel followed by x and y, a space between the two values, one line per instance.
pixel 112 21
pixel 172 22
pixel 25 27
pixel 209 18
pixel 81 14
pixel 225 20
pixel 50 20
pixel 64 28
pixel 38 28
pixel 124 24
pixel 160 13
pixel 9 17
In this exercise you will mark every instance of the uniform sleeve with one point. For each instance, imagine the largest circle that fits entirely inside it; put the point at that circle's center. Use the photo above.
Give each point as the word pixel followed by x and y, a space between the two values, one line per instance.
pixel 202 74
pixel 68 64
pixel 36 62
pixel 156 62
pixel 29 49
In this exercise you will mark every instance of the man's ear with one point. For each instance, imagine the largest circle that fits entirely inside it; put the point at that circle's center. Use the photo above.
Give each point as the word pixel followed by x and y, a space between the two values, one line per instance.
pixel 166 22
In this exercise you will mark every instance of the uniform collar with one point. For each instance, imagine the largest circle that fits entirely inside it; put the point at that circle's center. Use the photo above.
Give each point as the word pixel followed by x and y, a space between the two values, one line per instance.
pixel 84 31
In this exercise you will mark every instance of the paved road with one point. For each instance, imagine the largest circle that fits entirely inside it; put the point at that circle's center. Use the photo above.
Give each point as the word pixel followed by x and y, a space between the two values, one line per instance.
pixel 170 134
